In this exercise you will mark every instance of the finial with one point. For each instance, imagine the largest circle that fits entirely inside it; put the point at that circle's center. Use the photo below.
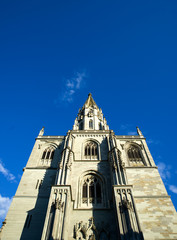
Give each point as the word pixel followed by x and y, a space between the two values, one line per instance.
pixel 139 131
pixel 89 94
pixel 41 133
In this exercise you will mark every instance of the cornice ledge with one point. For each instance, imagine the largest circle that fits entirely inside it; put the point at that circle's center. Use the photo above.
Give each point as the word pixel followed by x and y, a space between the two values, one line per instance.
pixel 129 137
pixel 27 196
pixel 141 167
pixel 50 137
pixel 153 196
pixel 90 131
pixel 38 168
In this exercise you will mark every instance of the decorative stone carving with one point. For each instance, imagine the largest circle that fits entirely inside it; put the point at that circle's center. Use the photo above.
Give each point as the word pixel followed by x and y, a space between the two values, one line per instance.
pixel 122 165
pixel 61 166
pixel 112 160
pixel 126 204
pixel 59 205
pixel 90 114
pixel 122 145
pixel 89 231
pixel 69 161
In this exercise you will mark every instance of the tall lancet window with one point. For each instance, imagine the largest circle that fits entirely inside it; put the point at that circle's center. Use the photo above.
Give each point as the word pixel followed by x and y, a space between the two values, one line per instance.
pixel 90 124
pixel 91 150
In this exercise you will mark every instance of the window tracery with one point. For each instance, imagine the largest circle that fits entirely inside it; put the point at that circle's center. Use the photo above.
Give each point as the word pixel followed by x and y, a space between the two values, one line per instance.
pixel 91 190
pixel 91 151
pixel 134 155
pixel 48 155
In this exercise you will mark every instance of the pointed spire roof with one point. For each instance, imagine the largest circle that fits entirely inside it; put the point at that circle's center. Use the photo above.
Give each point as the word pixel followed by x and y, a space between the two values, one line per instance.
pixel 90 102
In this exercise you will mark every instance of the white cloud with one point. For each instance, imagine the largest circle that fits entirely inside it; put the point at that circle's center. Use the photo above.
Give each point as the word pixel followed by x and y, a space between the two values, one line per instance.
pixel 151 141
pixel 173 188
pixel 125 126
pixel 72 85
pixel 9 176
pixel 78 79
pixel 127 129
pixel 4 206
pixel 132 133
pixel 164 170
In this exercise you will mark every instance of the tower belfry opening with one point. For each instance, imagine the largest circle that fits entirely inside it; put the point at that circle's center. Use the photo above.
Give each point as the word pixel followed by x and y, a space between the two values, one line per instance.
pixel 90 184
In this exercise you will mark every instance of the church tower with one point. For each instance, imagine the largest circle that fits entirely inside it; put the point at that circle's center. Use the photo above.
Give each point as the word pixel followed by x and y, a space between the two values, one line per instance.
pixel 90 184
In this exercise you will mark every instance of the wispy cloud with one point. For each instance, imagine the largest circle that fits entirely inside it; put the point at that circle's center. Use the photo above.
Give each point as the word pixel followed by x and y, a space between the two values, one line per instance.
pixel 4 206
pixel 151 141
pixel 166 173
pixel 72 85
pixel 127 129
pixel 7 174
pixel 132 133
pixel 125 126
pixel 164 170
pixel 173 188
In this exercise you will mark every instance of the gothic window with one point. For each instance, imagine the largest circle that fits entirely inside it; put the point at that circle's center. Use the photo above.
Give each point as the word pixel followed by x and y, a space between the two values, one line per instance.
pixel 134 155
pixel 91 124
pixel 91 190
pixel 48 153
pixel 47 156
pixel 91 150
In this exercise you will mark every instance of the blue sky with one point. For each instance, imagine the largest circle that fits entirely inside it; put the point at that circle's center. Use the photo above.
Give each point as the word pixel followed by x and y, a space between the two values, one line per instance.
pixel 52 54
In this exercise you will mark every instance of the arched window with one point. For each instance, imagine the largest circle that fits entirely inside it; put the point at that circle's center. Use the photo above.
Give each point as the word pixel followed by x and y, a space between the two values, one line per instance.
pixel 91 190
pixel 90 150
pixel 134 154
pixel 48 153
pixel 91 124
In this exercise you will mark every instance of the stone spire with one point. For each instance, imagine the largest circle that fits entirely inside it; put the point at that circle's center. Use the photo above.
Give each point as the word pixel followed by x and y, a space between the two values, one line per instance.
pixel 90 117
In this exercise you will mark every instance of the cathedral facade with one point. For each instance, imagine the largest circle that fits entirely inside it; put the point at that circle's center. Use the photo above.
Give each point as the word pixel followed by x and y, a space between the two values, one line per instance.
pixel 90 184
